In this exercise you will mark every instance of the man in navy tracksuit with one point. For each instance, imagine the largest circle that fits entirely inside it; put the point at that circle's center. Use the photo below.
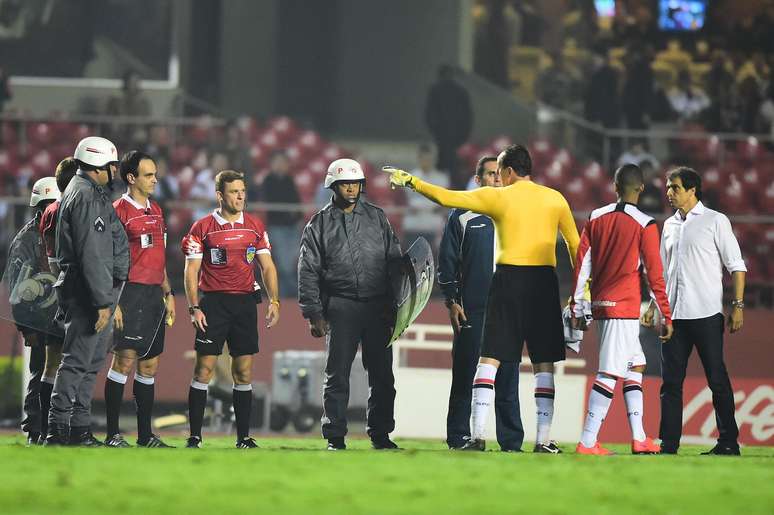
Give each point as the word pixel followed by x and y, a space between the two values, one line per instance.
pixel 465 268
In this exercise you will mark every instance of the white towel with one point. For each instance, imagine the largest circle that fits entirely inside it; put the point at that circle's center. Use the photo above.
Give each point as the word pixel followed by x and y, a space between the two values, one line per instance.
pixel 574 337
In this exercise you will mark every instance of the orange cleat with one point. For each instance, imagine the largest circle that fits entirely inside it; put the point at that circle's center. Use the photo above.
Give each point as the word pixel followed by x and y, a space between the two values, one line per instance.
pixel 597 450
pixel 646 446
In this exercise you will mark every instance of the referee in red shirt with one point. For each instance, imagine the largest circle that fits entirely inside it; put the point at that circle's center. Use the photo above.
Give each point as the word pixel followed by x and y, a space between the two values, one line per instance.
pixel 146 304
pixel 220 251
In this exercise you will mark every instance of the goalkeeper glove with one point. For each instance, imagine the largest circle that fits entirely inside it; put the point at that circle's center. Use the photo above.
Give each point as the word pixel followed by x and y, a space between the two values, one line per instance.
pixel 399 177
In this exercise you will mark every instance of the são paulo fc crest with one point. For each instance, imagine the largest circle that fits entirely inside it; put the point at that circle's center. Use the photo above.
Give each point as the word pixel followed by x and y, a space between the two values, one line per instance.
pixel 250 254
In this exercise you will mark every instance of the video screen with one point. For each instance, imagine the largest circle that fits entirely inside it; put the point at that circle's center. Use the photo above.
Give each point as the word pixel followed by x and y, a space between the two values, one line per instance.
pixel 681 15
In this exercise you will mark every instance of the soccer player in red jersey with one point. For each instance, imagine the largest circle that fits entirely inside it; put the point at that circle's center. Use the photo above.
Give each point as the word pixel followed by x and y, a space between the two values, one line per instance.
pixel 220 251
pixel 617 239
pixel 146 305
pixel 65 171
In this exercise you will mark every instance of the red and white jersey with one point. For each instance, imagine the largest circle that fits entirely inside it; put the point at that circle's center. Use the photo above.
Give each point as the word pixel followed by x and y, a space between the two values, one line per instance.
pixel 147 233
pixel 617 239
pixel 227 251
pixel 47 229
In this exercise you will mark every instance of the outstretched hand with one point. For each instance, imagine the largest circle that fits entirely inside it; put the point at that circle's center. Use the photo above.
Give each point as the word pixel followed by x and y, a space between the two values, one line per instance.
pixel 398 177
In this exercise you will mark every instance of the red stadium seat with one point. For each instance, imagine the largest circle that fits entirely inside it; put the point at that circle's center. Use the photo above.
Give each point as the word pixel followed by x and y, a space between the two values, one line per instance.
pixel 595 175
pixel 310 141
pixel 181 155
pixel 469 154
pixel 579 195
pixel 318 167
pixel 39 134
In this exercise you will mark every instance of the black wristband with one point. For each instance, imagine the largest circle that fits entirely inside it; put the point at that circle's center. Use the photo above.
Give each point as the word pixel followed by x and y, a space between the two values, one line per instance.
pixel 450 302
pixel 170 292
pixel 191 309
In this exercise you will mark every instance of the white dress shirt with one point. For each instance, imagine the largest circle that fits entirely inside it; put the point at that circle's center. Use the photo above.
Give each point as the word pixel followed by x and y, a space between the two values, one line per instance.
pixel 694 250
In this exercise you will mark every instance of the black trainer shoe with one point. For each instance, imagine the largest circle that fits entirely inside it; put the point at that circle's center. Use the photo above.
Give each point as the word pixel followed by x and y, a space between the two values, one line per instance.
pixel 476 444
pixel 83 437
pixel 33 439
pixel 57 435
pixel 153 441
pixel 722 449
pixel 116 441
pixel 193 442
pixel 246 443
pixel 547 448
pixel 383 442
pixel 336 444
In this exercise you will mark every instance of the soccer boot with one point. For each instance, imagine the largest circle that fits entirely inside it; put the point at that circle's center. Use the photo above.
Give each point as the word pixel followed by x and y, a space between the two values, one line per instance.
pixel 57 435
pixel 336 444
pixel 597 450
pixel 193 442
pixel 383 442
pixel 474 444
pixel 83 437
pixel 116 441
pixel 646 446
pixel 33 439
pixel 153 441
pixel 246 443
pixel 723 450
pixel 547 448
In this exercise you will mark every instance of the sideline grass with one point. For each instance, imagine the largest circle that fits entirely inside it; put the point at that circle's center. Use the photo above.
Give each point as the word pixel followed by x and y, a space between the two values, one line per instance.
pixel 295 476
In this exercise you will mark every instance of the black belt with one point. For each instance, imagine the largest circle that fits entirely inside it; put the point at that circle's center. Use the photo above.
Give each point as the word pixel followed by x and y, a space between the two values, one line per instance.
pixel 357 298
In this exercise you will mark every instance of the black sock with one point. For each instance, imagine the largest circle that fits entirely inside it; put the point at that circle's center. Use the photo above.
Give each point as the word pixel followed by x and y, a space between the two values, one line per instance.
pixel 45 405
pixel 143 397
pixel 114 395
pixel 243 400
pixel 197 399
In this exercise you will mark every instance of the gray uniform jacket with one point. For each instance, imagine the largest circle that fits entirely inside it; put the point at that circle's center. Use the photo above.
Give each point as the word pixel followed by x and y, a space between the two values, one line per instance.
pixel 91 245
pixel 345 255
pixel 25 260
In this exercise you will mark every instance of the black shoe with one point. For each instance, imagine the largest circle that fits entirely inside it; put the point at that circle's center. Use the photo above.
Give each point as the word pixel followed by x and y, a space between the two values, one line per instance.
pixel 83 437
pixel 246 443
pixel 336 444
pixel 57 435
pixel 153 441
pixel 33 439
pixel 723 449
pixel 473 445
pixel 193 442
pixel 116 441
pixel 383 442
pixel 547 448
pixel 668 447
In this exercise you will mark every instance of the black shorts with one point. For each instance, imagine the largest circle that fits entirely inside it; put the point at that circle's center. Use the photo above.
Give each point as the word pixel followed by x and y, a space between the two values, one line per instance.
pixel 523 305
pixel 231 318
pixel 143 309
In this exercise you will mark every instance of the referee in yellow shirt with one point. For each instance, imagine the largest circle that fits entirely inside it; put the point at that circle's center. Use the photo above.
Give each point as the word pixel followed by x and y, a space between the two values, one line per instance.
pixel 523 303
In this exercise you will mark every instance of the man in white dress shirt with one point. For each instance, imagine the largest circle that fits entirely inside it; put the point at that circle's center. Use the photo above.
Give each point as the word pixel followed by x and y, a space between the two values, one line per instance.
pixel 697 242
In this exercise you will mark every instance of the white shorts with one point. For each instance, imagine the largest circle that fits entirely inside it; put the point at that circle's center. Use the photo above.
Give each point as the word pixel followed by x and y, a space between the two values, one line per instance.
pixel 619 346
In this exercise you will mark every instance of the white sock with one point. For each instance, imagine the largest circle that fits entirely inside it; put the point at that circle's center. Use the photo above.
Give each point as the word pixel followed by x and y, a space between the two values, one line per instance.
pixel 544 401
pixel 632 389
pixel 483 396
pixel 116 377
pixel 599 402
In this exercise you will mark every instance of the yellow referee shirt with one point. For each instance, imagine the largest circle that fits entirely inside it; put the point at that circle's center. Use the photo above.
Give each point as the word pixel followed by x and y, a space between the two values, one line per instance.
pixel 526 215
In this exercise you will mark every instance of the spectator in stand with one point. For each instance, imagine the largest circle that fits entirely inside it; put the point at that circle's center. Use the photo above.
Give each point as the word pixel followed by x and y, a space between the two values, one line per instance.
pixel 601 102
pixel 687 99
pixel 424 218
pixel 278 186
pixel 556 85
pixel 132 102
pixel 449 117
pixel 652 198
pixel 767 113
pixel 5 91
pixel 721 115
pixel 167 185
pixel 749 105
pixel 237 150
pixel 204 182
pixel 638 88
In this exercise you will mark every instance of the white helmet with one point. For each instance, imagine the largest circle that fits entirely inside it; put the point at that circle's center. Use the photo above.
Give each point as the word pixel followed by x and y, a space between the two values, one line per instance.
pixel 96 151
pixel 344 170
pixel 44 189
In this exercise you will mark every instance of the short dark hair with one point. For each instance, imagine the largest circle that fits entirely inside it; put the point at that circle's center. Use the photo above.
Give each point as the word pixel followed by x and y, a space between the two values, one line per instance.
pixel 130 162
pixel 517 157
pixel 65 171
pixel 689 177
pixel 227 176
pixel 481 162
pixel 628 177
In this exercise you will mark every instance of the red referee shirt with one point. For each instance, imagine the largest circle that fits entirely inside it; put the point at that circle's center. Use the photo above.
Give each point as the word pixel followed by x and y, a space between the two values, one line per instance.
pixel 47 229
pixel 615 241
pixel 147 233
pixel 227 251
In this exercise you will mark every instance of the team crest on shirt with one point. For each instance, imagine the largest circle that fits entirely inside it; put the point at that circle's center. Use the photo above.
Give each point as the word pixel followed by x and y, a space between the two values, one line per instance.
pixel 250 254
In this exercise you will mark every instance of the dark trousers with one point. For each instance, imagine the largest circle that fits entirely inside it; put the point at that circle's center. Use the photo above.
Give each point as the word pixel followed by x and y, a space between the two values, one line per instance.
pixel 465 353
pixel 352 323
pixel 706 334
pixel 31 421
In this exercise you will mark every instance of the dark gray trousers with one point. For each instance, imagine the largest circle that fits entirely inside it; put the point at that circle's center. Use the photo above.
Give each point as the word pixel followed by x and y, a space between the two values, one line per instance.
pixel 31 421
pixel 83 355
pixel 352 323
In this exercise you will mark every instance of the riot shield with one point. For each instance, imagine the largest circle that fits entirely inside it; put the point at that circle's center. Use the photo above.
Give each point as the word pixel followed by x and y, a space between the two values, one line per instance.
pixel 412 282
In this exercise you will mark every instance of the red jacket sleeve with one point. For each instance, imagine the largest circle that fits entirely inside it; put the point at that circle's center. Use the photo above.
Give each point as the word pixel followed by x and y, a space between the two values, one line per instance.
pixel 651 259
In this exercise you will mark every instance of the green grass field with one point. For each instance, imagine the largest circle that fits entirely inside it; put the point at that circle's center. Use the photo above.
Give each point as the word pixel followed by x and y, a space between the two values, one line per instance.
pixel 296 476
